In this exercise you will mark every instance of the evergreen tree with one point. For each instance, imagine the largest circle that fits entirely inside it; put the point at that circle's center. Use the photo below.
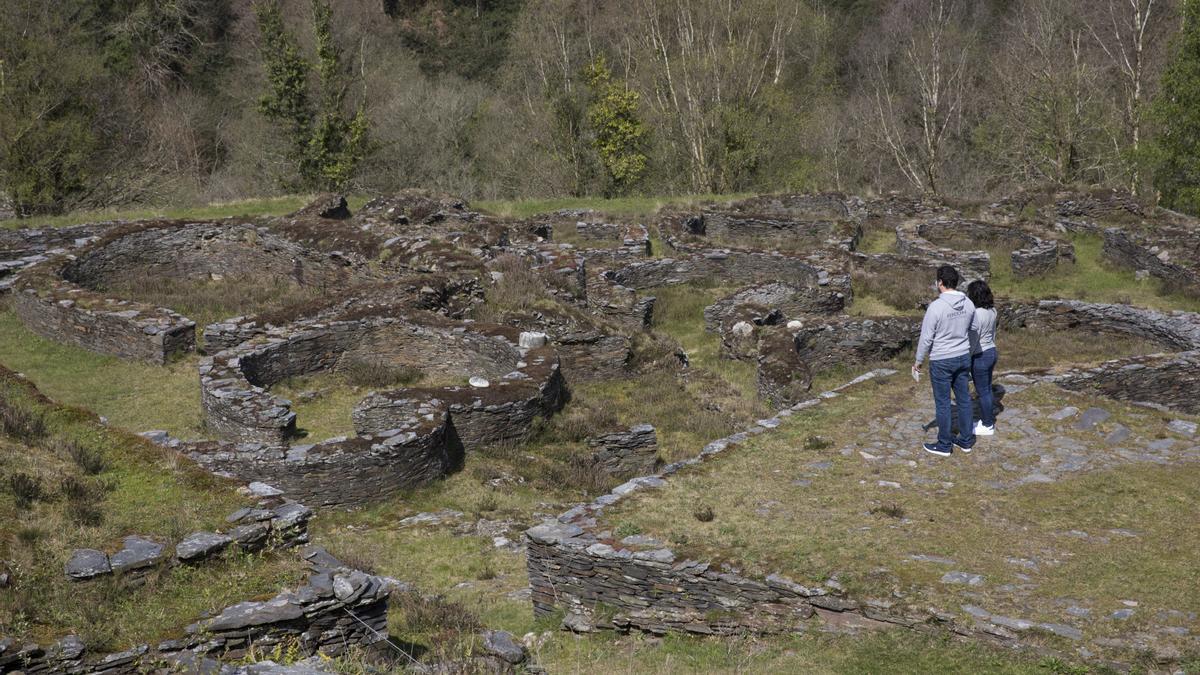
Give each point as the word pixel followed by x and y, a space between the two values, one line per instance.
pixel 1177 111
pixel 327 144
pixel 620 133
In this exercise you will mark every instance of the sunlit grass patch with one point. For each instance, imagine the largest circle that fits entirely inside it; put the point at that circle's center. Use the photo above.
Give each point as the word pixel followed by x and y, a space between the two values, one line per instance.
pixel 1090 278
pixel 836 521
pixel 135 396
pixel 95 485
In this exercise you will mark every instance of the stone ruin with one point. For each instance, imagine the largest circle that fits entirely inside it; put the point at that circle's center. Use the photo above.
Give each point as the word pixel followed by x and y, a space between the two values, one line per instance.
pixel 397 281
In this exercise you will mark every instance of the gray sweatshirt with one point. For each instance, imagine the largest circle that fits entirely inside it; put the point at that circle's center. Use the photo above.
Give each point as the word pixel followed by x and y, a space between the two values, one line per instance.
pixel 944 330
pixel 983 331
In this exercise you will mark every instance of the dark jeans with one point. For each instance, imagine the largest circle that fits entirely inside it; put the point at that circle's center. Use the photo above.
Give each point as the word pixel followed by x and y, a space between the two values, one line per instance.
pixel 982 365
pixel 946 375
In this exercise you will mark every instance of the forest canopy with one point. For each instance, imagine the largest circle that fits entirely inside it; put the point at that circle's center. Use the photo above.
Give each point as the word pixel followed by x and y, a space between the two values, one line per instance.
pixel 109 102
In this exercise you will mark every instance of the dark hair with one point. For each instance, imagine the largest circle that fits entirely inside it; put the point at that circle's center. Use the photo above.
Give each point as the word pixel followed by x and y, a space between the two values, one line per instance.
pixel 980 295
pixel 948 276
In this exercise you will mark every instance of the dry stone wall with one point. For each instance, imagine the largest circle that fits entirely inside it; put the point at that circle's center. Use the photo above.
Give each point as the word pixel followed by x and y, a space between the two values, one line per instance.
pixel 336 610
pixel 342 472
pixel 971 265
pixel 625 454
pixel 636 583
pixel 828 285
pixel 61 312
pixel 832 342
pixel 1166 381
pixel 1031 255
pixel 1154 256
pixel 503 412
pixel 1174 330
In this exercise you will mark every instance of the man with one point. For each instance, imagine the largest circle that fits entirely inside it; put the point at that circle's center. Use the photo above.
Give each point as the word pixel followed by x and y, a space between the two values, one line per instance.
pixel 944 339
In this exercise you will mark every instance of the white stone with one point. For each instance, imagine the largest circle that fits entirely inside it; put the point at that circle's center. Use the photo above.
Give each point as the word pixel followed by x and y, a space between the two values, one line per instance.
pixel 795 324
pixel 742 329
pixel 478 382
pixel 259 489
pixel 532 340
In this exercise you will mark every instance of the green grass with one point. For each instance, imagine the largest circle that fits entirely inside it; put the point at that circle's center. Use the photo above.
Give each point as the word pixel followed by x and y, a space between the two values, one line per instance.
pixel 878 240
pixel 977 526
pixel 1091 278
pixel 896 652
pixel 138 488
pixel 134 396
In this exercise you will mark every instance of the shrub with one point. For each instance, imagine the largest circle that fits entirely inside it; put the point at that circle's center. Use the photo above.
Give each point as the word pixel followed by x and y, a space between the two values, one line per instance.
pixel 21 424
pixel 25 489
pixel 518 286
pixel 704 514
pixel 890 510
pixel 816 443
pixel 627 529
pixel 90 460
pixel 378 374
pixel 424 614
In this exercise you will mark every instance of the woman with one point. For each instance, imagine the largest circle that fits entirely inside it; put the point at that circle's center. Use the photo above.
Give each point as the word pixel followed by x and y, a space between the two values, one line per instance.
pixel 983 354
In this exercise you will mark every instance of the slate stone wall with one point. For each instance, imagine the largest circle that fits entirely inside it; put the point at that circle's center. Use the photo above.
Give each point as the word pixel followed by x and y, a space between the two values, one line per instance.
pixel 625 454
pixel 202 252
pixel 637 583
pixel 1125 249
pixel 832 342
pixel 336 610
pixel 342 472
pixel 238 407
pixel 126 330
pixel 971 265
pixel 1168 381
pixel 825 280
pixel 503 412
pixel 1173 330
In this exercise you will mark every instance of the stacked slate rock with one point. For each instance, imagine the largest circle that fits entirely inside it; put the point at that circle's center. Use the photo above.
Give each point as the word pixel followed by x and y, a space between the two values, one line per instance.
pixel 254 529
pixel 626 453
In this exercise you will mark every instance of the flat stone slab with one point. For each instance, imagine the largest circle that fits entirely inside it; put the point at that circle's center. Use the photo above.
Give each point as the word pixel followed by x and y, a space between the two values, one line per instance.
pixel 503 645
pixel 139 552
pixel 201 545
pixel 1183 427
pixel 1069 411
pixel 962 578
pixel 86 563
pixel 1092 417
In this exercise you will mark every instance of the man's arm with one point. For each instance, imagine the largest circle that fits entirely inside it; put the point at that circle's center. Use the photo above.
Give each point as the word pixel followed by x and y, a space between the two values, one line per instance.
pixel 928 330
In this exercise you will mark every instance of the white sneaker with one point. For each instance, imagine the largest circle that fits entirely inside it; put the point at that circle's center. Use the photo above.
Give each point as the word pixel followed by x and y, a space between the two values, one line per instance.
pixel 981 430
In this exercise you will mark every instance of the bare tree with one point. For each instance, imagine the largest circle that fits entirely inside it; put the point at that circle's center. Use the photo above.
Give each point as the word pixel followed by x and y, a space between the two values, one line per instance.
pixel 703 55
pixel 917 82
pixel 1045 111
pixel 1126 31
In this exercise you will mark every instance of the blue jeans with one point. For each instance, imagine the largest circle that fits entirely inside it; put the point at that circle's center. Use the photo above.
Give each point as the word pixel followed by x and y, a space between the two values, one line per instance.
pixel 946 375
pixel 982 365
